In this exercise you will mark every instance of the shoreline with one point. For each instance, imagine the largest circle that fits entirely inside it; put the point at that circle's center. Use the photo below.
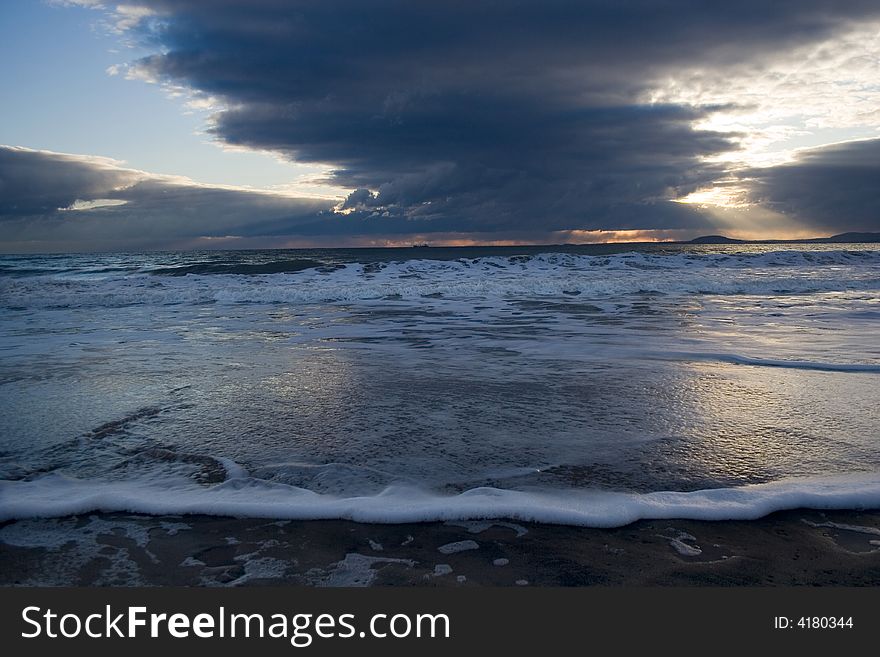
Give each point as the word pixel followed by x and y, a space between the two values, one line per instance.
pixel 786 548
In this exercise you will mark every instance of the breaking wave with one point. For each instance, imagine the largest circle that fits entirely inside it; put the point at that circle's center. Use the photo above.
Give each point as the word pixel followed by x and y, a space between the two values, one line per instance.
pixel 551 274
pixel 57 495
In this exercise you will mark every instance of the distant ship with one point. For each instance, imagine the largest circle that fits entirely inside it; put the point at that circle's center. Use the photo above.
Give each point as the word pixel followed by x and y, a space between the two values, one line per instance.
pixel 421 245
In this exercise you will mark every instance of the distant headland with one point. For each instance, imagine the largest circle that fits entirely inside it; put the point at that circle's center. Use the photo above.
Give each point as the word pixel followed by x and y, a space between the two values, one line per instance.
pixel 842 238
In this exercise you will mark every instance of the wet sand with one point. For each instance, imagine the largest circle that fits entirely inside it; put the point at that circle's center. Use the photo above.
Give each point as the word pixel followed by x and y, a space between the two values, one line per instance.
pixel 801 547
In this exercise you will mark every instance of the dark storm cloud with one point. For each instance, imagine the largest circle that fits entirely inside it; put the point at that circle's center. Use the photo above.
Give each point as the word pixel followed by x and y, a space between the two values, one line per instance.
pixel 39 191
pixel 484 116
pixel 34 182
pixel 835 188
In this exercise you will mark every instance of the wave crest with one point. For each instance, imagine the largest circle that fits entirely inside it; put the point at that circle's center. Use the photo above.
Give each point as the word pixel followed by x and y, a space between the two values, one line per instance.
pixel 551 274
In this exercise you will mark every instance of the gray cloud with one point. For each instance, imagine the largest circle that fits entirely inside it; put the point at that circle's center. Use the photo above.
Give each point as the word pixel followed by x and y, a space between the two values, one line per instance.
pixel 35 183
pixel 38 188
pixel 834 188
pixel 478 116
pixel 498 120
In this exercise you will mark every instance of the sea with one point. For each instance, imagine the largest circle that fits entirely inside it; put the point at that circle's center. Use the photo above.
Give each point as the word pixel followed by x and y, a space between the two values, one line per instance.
pixel 589 385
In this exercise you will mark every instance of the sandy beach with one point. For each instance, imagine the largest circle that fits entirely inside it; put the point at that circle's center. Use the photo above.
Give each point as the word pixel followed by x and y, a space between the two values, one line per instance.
pixel 800 547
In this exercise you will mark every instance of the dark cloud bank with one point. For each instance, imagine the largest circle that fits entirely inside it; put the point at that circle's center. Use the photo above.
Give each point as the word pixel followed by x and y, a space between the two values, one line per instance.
pixel 493 118
pixel 38 190
pixel 836 186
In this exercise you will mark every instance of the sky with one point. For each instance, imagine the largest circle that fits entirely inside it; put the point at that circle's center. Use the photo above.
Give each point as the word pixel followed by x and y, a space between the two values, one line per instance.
pixel 178 124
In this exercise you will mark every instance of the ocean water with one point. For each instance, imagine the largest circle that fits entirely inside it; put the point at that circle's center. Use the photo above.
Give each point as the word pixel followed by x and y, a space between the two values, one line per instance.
pixel 591 385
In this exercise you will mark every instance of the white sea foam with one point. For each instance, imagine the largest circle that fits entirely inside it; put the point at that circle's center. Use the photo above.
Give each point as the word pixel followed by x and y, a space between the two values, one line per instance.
pixel 458 546
pixel 356 570
pixel 82 540
pixel 233 469
pixel 442 569
pixel 57 495
pixel 738 359
pixel 551 274
pixel 859 529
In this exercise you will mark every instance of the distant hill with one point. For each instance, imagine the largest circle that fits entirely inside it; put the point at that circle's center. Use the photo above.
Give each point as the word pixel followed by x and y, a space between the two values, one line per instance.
pixel 842 238
pixel 715 239
pixel 851 237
